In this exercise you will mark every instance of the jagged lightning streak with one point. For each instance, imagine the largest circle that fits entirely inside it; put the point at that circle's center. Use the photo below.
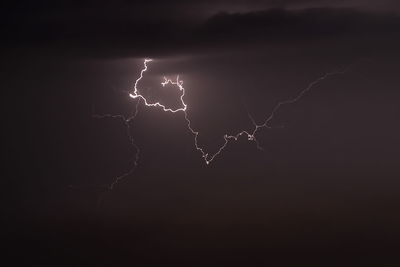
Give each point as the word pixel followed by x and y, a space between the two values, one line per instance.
pixel 166 81
pixel 208 158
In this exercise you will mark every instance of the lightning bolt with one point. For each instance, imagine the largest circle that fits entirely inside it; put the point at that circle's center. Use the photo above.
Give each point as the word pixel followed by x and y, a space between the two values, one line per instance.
pixel 207 157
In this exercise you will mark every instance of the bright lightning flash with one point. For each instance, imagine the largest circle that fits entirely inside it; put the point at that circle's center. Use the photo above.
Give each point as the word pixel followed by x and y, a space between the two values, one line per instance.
pixel 208 158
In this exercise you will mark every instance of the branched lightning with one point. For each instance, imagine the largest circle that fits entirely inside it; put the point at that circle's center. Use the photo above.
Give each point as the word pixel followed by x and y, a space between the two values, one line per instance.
pixel 208 157
pixel 126 121
pixel 251 135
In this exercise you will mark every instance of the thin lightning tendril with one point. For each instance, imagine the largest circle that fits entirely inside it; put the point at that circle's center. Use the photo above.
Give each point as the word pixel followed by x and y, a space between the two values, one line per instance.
pixel 208 158
pixel 126 121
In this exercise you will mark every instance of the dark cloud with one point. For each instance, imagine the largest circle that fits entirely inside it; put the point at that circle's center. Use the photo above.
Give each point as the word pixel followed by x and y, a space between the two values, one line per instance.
pixel 280 25
pixel 85 32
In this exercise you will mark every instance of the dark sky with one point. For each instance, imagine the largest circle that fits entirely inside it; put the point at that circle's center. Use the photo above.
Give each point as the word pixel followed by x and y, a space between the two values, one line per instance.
pixel 323 192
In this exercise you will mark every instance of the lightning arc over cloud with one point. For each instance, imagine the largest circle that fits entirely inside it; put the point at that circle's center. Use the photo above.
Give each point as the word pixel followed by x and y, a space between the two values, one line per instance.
pixel 208 158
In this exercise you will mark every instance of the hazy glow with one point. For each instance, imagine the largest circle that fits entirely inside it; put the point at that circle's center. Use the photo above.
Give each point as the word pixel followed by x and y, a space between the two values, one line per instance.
pixel 166 81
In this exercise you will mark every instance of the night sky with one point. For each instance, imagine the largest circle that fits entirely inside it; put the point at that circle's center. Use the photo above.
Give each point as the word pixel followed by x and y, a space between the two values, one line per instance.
pixel 324 191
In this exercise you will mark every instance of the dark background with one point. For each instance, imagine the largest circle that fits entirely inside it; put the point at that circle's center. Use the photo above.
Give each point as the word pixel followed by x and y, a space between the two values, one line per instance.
pixel 323 192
